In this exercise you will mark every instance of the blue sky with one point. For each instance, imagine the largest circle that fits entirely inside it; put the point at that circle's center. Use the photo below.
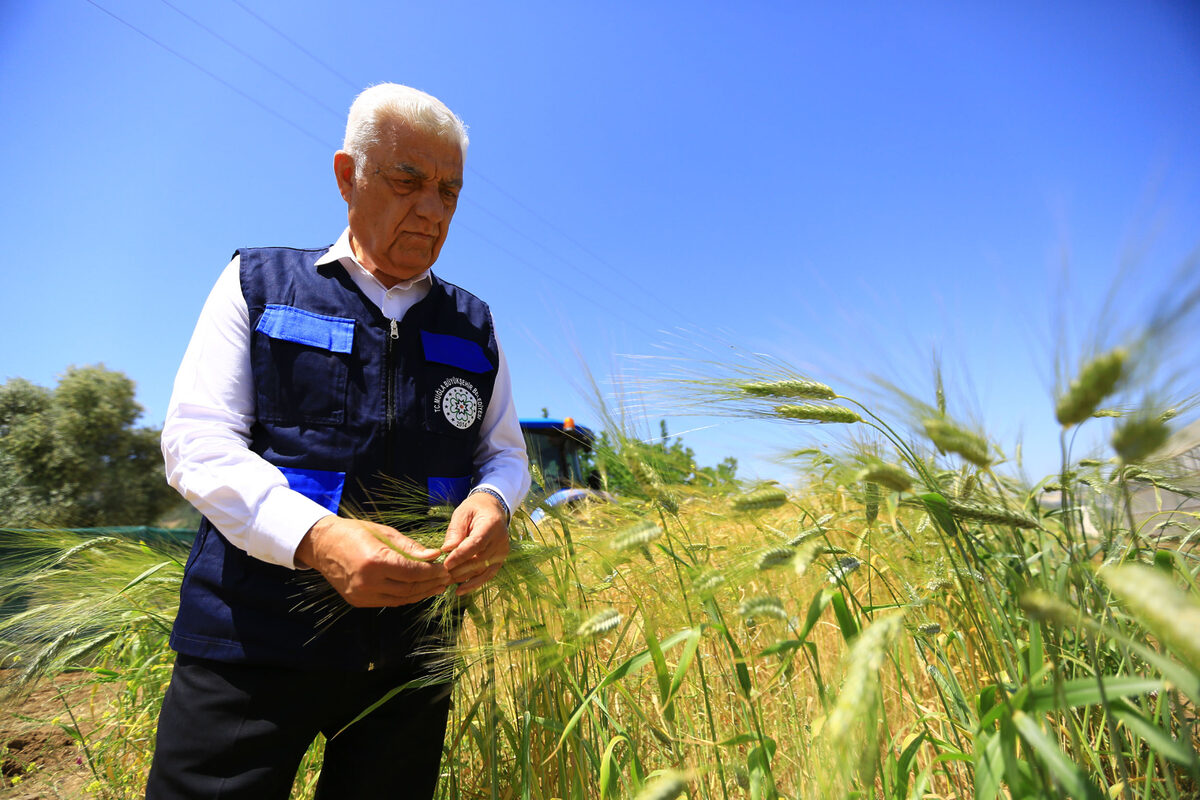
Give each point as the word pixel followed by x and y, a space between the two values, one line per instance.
pixel 848 189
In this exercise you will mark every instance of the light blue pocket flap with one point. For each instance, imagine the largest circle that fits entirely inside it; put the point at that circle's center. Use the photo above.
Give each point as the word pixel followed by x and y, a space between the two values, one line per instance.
pixel 455 351
pixel 451 491
pixel 321 486
pixel 304 327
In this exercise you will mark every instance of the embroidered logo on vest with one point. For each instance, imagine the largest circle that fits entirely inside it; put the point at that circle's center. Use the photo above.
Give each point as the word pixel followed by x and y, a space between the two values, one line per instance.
pixel 459 402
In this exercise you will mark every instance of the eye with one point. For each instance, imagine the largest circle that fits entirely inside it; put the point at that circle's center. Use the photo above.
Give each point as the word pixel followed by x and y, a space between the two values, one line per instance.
pixel 449 194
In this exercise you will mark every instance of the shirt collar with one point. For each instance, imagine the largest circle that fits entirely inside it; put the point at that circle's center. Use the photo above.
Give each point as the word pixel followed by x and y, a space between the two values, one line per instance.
pixel 341 251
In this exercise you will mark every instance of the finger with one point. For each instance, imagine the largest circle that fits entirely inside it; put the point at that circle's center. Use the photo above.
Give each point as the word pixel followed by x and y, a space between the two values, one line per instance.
pixel 466 571
pixel 402 571
pixel 473 567
pixel 411 594
pixel 489 545
pixel 474 583
pixel 414 593
pixel 459 528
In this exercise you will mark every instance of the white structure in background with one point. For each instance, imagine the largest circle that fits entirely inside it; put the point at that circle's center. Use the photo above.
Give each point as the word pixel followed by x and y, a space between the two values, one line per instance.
pixel 1166 514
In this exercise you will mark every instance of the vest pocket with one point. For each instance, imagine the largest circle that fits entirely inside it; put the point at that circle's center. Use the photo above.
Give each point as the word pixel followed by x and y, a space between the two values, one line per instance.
pixel 323 487
pixel 448 491
pixel 301 366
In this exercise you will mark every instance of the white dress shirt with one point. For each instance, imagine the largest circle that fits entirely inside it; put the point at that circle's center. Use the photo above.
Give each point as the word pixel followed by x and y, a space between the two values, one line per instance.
pixel 206 435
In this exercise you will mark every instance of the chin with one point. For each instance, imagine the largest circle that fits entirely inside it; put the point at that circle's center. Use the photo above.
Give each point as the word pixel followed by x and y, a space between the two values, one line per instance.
pixel 414 265
pixel 403 272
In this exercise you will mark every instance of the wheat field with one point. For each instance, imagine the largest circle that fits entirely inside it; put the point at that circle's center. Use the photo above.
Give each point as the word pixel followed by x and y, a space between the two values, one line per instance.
pixel 905 619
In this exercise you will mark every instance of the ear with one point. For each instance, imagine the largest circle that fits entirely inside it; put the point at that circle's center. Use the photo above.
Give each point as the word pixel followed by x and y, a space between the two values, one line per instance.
pixel 344 171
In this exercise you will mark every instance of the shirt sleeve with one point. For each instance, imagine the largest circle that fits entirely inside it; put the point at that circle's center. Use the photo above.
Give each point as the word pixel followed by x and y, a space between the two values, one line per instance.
pixel 206 436
pixel 500 460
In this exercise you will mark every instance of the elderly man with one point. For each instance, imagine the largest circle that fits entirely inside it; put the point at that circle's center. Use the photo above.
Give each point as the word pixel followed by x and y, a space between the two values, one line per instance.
pixel 317 380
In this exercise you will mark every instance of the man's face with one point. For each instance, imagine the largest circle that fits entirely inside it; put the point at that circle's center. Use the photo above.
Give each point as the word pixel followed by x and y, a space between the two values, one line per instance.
pixel 401 204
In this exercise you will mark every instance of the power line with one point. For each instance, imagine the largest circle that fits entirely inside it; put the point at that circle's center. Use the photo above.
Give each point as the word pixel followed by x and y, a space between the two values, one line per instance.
pixel 632 281
pixel 326 144
pixel 554 279
pixel 480 206
pixel 608 266
pixel 623 296
pixel 298 46
pixel 243 53
pixel 212 75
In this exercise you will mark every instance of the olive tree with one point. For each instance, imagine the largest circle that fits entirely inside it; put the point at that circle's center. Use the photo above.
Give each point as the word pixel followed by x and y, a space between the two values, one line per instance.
pixel 72 456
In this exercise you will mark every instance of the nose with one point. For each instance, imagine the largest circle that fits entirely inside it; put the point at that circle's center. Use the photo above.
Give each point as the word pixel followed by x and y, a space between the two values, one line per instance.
pixel 430 204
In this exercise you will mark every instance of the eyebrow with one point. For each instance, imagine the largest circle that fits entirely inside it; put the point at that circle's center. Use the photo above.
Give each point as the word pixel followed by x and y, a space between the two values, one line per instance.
pixel 419 174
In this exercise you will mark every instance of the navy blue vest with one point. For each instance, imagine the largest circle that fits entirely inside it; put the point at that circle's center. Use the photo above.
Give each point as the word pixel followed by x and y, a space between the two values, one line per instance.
pixel 351 407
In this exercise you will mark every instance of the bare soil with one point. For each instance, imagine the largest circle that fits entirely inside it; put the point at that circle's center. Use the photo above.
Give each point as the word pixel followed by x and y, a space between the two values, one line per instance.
pixel 39 760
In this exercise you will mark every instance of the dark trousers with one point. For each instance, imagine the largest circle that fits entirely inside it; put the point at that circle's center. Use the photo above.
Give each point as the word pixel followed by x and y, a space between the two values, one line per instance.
pixel 234 731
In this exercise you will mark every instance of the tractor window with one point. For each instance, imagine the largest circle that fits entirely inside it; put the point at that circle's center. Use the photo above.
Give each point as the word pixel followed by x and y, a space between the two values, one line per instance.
pixel 557 455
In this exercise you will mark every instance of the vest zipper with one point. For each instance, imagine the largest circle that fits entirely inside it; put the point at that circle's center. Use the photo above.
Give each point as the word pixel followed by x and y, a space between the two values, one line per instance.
pixel 389 429
pixel 390 388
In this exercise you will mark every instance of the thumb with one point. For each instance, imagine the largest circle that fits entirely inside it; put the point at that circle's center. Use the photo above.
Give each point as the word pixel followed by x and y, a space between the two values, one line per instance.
pixel 458 529
pixel 410 548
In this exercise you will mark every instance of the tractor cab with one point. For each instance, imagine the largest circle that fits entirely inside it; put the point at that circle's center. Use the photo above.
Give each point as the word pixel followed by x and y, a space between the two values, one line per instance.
pixel 558 450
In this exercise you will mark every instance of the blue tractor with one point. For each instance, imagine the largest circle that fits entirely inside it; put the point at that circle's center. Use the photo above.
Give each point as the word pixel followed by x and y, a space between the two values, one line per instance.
pixel 558 451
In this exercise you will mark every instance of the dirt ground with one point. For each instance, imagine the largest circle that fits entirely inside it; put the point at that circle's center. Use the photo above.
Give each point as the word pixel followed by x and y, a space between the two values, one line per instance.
pixel 38 759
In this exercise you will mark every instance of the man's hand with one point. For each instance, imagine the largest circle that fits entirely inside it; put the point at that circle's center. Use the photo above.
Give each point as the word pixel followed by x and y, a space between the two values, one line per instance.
pixel 476 542
pixel 353 557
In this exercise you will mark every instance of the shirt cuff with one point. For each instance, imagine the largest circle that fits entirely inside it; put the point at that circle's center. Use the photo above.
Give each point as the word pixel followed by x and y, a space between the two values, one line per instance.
pixel 494 491
pixel 284 518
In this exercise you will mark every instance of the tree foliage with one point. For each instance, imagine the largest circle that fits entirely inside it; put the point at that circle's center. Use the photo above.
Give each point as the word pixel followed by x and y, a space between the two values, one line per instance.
pixel 664 461
pixel 72 457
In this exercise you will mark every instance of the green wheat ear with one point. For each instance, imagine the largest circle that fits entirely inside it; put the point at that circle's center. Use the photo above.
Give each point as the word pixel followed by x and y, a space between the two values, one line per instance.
pixel 859 695
pixel 599 624
pixel 775 557
pixel 887 475
pixel 760 499
pixel 639 534
pixel 1042 605
pixel 952 438
pixel 1166 610
pixel 758 607
pixel 991 515
pixel 812 412
pixel 666 786
pixel 1096 381
pixel 1139 436
pixel 810 390
pixel 707 582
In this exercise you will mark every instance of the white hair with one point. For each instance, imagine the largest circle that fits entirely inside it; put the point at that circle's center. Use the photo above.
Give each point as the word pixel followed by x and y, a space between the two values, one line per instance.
pixel 378 105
